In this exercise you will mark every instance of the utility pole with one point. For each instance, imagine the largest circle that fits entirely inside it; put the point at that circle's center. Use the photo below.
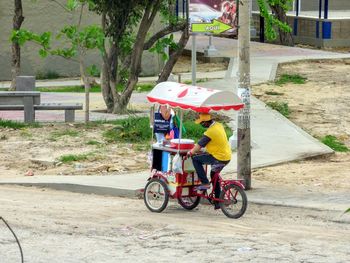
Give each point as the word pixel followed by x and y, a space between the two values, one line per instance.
pixel 243 91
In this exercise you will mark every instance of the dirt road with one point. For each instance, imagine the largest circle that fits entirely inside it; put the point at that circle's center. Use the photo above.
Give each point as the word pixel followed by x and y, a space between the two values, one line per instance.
pixel 65 227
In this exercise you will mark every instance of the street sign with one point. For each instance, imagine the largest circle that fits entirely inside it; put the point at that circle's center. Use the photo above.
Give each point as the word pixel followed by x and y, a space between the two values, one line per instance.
pixel 215 27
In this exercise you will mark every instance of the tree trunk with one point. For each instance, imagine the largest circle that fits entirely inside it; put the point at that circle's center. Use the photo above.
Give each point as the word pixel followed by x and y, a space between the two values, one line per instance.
pixel 174 56
pixel 122 101
pixel 286 38
pixel 16 50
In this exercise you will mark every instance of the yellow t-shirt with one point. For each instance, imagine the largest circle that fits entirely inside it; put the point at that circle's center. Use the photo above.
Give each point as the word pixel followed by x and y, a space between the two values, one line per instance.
pixel 218 145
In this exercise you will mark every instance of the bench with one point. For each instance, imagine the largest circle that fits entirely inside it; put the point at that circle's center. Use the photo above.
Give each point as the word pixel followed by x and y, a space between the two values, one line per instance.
pixel 29 101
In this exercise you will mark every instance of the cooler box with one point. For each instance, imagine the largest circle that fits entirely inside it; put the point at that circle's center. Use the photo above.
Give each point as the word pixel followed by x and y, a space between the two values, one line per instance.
pixel 166 161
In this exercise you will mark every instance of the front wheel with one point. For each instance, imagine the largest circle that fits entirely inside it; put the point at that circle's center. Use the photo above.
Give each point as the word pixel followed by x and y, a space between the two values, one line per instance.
pixel 156 195
pixel 233 201
pixel 189 202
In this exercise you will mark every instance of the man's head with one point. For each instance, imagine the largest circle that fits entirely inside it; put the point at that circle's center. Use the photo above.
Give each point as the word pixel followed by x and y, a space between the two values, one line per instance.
pixel 204 119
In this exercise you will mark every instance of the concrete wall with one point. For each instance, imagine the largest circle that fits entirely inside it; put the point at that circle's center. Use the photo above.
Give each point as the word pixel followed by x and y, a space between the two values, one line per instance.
pixel 41 16
pixel 315 31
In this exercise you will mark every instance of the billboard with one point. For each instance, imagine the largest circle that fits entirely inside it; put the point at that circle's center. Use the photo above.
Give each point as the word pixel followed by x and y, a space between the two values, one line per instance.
pixel 209 11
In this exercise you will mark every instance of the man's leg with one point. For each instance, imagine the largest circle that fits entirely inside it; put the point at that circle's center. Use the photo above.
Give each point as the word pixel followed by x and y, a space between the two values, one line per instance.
pixel 198 161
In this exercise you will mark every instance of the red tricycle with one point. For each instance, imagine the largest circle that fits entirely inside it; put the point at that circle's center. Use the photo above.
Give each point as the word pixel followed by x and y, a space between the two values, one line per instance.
pixel 181 183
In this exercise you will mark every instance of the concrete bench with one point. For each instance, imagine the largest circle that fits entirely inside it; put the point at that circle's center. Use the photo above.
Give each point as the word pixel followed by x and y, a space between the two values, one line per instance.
pixel 26 99
pixel 29 101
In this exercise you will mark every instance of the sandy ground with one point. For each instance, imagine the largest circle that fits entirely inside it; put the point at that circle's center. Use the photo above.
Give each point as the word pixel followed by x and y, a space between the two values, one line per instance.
pixel 66 227
pixel 321 107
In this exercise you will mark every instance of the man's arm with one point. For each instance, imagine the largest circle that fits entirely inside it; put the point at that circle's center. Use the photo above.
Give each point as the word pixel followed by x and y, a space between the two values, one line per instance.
pixel 201 143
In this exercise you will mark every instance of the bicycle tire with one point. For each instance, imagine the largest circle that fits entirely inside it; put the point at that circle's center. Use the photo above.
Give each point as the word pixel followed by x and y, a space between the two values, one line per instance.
pixel 226 204
pixel 162 192
pixel 191 204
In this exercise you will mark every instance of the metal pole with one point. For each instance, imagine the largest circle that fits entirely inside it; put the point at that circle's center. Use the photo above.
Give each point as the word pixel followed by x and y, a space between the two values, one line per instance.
pixel 325 9
pixel 319 9
pixel 194 59
pixel 297 7
pixel 243 91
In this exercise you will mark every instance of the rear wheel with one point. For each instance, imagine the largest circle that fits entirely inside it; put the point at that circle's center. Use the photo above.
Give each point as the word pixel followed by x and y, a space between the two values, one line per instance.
pixel 189 202
pixel 156 195
pixel 233 201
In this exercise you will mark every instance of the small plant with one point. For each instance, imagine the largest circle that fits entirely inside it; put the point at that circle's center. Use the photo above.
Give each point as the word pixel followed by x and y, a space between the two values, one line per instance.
pixel 333 143
pixel 287 78
pixel 274 93
pixel 281 107
pixel 73 158
pixel 347 211
pixel 47 75
pixel 25 133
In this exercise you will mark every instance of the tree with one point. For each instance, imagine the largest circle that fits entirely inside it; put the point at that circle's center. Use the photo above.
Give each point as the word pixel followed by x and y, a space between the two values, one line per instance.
pixel 128 23
pixel 16 49
pixel 81 39
pixel 277 19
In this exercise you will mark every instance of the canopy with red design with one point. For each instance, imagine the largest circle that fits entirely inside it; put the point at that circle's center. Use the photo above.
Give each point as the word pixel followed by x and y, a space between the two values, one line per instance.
pixel 193 97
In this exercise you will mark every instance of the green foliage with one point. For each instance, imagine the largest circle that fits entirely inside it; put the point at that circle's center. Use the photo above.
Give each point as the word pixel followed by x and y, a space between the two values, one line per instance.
pixel 94 71
pixel 73 158
pixel 161 44
pixel 281 107
pixel 17 125
pixel 333 143
pixel 287 78
pixel 347 211
pixel 270 19
pixel 144 87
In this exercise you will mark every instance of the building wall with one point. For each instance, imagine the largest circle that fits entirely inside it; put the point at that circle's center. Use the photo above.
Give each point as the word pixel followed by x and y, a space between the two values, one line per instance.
pixel 315 31
pixel 41 16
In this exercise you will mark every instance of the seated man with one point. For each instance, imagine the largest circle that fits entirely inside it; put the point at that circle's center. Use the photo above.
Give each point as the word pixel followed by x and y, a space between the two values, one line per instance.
pixel 218 153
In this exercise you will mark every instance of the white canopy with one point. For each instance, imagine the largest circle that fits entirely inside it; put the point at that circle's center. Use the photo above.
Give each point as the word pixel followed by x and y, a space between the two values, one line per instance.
pixel 193 97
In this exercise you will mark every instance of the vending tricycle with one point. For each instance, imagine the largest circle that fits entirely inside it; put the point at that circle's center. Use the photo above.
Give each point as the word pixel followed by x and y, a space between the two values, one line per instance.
pixel 172 173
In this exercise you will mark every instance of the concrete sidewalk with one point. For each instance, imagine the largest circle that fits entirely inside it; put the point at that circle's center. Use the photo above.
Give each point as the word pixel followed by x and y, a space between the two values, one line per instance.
pixel 275 138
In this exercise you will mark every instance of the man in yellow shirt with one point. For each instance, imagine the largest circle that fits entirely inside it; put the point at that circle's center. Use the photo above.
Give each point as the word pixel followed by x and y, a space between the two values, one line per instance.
pixel 218 151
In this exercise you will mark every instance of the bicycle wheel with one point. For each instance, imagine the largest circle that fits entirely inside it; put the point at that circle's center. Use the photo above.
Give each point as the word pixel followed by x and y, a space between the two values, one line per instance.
pixel 156 195
pixel 189 202
pixel 234 201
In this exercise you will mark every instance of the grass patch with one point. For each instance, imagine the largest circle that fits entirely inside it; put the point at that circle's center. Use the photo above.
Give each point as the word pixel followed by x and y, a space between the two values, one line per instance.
pixel 73 158
pixel 92 142
pixel 17 125
pixel 287 78
pixel 333 143
pixel 274 93
pixel 281 107
pixel 57 134
pixel 78 89
pixel 144 87
pixel 189 82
